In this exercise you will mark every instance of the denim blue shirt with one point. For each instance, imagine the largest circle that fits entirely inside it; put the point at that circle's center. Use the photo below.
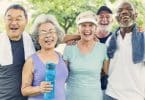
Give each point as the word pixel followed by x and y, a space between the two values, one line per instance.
pixel 138 45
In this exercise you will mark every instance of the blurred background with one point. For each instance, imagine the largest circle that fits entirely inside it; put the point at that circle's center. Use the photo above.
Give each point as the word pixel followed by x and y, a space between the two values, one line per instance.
pixel 67 10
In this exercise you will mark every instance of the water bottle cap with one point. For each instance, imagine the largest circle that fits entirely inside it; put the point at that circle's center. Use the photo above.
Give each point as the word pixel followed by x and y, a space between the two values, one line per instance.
pixel 50 66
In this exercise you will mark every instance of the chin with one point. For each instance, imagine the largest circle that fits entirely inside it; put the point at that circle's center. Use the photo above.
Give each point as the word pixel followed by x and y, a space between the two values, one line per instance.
pixel 88 39
pixel 127 24
pixel 15 35
pixel 50 46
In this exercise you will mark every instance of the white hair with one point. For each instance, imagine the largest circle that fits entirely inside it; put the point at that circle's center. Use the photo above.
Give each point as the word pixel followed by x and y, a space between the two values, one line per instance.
pixel 120 2
pixel 45 18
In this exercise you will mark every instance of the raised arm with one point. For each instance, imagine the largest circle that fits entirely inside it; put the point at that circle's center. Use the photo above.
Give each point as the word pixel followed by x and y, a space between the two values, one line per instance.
pixel 74 37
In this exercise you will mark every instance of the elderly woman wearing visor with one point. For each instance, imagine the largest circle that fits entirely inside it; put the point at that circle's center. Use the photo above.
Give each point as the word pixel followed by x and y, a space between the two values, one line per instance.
pixel 85 61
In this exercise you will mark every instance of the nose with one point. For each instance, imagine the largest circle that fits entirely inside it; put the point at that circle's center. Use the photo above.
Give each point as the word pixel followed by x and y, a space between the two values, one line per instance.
pixel 87 28
pixel 124 12
pixel 104 21
pixel 48 35
pixel 13 22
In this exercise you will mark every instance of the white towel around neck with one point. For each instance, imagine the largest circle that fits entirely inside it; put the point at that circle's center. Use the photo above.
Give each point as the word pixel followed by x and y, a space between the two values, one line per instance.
pixel 6 51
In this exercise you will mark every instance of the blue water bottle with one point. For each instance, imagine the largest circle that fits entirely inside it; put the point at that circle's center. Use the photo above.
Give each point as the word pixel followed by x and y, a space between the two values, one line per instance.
pixel 50 77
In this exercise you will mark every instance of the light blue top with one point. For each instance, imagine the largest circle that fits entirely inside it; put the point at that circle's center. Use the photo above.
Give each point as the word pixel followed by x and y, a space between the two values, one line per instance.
pixel 84 77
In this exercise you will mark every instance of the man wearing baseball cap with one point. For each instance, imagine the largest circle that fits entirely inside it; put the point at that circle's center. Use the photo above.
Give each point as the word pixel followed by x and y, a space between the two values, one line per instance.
pixel 104 22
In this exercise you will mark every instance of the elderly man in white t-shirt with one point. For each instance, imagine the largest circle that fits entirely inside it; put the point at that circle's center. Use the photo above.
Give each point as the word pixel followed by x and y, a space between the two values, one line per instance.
pixel 126 52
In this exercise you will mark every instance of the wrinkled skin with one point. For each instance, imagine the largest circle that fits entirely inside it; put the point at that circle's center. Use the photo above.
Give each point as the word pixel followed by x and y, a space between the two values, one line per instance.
pixel 126 15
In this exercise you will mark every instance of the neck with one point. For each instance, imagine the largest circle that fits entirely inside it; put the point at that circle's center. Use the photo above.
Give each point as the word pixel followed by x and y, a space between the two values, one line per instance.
pixel 102 34
pixel 47 51
pixel 86 43
pixel 14 38
pixel 124 30
pixel 85 47
pixel 48 56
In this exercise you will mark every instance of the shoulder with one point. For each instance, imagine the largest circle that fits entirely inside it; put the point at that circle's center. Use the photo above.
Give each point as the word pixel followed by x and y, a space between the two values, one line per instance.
pixel 26 35
pixel 29 60
pixel 29 63
pixel 101 45
pixel 110 34
pixel 58 53
pixel 140 35
pixel 3 38
pixel 70 47
pixel 69 51
pixel 3 35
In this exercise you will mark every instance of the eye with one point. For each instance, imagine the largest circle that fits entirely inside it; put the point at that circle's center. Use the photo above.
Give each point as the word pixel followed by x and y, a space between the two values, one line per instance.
pixel 18 19
pixel 90 25
pixel 130 9
pixel 119 10
pixel 52 31
pixel 42 33
pixel 83 25
pixel 101 17
pixel 9 19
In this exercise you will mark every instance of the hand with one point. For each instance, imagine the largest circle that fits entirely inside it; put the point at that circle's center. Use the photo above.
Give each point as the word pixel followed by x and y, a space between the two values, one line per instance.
pixel 72 42
pixel 96 39
pixel 141 29
pixel 45 87
pixel 69 39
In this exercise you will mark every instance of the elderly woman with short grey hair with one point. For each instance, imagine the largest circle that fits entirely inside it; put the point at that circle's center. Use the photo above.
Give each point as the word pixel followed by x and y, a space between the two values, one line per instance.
pixel 49 34
pixel 43 19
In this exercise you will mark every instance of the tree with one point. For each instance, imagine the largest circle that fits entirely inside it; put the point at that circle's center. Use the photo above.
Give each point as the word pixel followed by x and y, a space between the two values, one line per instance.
pixel 65 10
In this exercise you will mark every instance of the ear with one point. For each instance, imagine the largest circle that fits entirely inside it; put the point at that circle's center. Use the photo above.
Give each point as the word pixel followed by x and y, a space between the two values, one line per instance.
pixel 97 17
pixel 26 21
pixel 135 16
pixel 78 29
pixel 111 20
pixel 117 18
pixel 38 39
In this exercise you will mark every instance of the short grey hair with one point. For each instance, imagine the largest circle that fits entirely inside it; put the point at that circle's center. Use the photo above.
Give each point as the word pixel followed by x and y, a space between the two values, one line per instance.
pixel 47 18
pixel 125 2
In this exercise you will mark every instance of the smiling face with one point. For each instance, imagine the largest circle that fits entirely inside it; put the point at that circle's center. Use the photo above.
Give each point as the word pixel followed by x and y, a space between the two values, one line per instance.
pixel 126 15
pixel 15 22
pixel 47 36
pixel 104 20
pixel 87 30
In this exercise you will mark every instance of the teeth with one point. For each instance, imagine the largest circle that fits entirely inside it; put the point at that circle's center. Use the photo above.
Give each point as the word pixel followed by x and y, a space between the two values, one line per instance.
pixel 125 17
pixel 87 34
pixel 47 41
pixel 14 28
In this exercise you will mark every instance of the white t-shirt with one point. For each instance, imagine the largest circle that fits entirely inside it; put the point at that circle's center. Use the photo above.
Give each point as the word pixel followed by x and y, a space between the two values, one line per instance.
pixel 126 79
pixel 60 48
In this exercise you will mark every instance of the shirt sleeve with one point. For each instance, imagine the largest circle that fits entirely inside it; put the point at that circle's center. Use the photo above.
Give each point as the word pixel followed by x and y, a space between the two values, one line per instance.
pixel 66 54
pixel 106 56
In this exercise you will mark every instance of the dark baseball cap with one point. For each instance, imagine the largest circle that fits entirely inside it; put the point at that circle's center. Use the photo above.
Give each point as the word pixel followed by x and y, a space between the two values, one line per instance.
pixel 104 8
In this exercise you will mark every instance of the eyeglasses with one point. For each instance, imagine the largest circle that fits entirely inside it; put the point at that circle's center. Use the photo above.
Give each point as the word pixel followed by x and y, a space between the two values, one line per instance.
pixel 45 33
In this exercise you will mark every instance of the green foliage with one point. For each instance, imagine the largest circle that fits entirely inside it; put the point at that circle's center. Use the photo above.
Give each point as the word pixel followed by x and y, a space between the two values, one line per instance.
pixel 112 1
pixel 67 10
